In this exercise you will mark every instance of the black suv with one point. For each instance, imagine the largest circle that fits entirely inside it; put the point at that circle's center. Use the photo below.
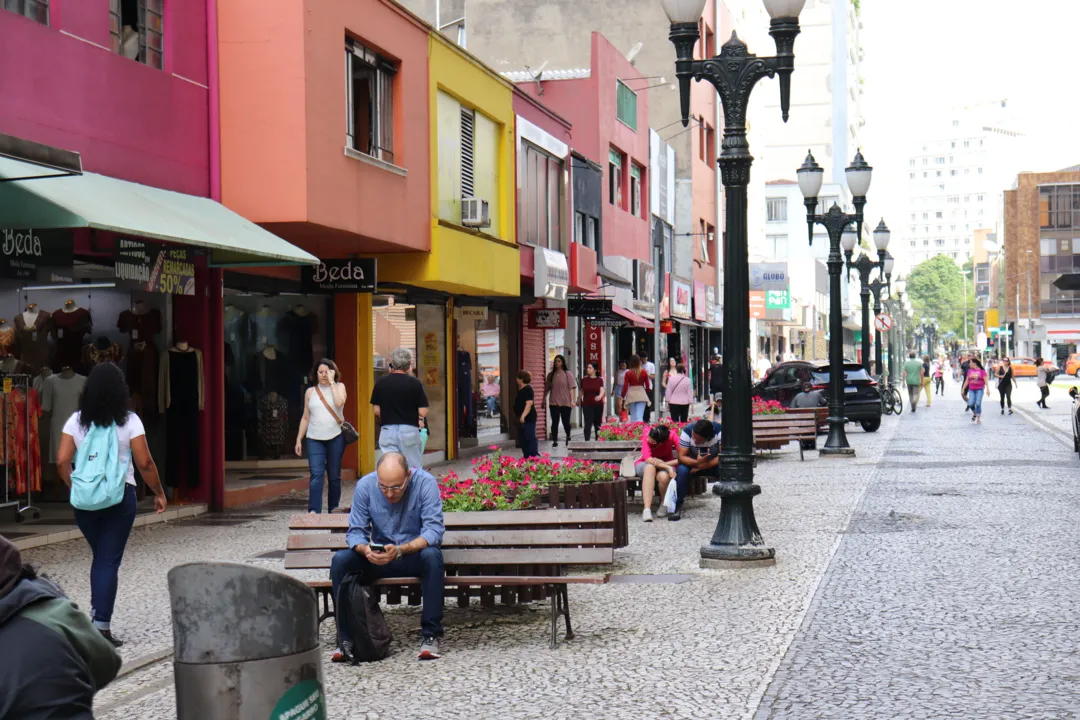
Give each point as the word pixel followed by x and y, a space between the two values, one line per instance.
pixel 862 399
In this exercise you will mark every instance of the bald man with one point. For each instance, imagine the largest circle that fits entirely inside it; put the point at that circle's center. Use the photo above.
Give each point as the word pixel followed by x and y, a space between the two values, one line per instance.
pixel 399 509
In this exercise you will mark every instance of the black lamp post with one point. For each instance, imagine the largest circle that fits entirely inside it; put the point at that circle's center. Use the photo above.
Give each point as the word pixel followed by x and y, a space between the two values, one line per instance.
pixel 863 265
pixel 733 73
pixel 876 287
pixel 836 221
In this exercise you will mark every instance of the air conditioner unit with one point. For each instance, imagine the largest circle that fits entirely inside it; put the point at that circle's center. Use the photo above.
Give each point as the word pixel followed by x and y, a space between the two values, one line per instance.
pixel 474 213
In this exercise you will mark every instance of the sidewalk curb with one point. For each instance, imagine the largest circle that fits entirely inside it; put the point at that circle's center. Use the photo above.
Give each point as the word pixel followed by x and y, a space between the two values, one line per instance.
pixel 1055 432
pixel 143 661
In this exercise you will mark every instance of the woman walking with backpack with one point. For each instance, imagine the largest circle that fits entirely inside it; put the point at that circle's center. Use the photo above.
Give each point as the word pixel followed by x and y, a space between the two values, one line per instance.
pixel 106 443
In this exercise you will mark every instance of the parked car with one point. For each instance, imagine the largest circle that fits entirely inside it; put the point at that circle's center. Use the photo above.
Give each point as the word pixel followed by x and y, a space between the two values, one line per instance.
pixel 1024 367
pixel 862 397
pixel 1072 365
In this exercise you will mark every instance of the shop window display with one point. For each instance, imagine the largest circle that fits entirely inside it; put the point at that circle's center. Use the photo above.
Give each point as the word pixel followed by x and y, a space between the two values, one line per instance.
pixel 478 367
pixel 271 343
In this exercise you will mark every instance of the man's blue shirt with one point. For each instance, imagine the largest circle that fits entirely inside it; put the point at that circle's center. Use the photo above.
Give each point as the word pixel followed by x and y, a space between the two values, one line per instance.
pixel 418 514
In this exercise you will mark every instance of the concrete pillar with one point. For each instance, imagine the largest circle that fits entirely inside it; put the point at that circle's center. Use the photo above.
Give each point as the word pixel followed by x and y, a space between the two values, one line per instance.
pixel 246 643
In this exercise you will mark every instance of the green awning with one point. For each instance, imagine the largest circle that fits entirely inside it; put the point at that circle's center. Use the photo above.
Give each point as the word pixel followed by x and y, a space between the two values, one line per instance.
pixel 104 203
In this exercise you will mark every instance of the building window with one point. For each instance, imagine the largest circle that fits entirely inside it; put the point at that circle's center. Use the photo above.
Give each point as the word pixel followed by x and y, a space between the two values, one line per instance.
pixel 776 210
pixel 36 10
pixel 1047 247
pixel 370 90
pixel 827 202
pixel 952 173
pixel 708 244
pixel 925 243
pixel 938 215
pixel 540 200
pixel 707 147
pixel 924 174
pixel 938 173
pixel 912 243
pixel 776 246
pixel 911 176
pixel 635 190
pixel 939 242
pixel 615 165
pixel 980 171
pixel 940 160
pixel 136 30
pixel 924 216
pixel 626 105
pixel 468 153
pixel 911 162
pixel 967 143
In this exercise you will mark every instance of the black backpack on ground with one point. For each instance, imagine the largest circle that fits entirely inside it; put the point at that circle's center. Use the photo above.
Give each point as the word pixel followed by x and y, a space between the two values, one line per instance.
pixel 361 622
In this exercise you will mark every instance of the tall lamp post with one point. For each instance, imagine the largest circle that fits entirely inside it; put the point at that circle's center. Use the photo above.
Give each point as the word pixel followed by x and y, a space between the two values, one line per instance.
pixel 863 265
pixel 733 73
pixel 836 221
pixel 898 323
pixel 876 287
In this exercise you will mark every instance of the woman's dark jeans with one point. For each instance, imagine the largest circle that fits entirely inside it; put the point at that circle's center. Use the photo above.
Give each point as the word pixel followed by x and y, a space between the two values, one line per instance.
pixel 679 413
pixel 1005 391
pixel 592 418
pixel 559 412
pixel 527 439
pixel 324 458
pixel 107 531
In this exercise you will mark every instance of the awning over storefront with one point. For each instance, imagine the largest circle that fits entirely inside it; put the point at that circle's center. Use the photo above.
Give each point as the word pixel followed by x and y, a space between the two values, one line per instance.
pixel 104 203
pixel 635 319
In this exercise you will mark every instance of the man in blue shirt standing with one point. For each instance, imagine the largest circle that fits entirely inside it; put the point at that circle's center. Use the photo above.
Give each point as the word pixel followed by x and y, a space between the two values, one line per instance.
pixel 399 509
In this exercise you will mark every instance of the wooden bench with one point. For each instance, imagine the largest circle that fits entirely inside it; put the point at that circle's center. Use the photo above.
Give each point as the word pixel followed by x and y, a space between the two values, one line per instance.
pixel 613 451
pixel 520 555
pixel 772 432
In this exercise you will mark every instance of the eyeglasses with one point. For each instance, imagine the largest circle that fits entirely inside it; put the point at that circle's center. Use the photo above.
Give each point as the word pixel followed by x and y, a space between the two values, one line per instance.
pixel 392 488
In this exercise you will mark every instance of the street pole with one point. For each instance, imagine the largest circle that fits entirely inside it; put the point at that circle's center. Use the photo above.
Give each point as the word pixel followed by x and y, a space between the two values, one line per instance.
pixel 836 222
pixel 658 244
pixel 1031 344
pixel 736 539
pixel 864 266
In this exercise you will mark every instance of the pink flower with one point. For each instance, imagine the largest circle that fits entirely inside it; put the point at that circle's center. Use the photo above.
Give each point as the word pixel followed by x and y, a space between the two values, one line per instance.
pixel 493 447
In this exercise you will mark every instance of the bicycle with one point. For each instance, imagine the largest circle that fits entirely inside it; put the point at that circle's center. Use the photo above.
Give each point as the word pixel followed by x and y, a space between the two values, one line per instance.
pixel 892 403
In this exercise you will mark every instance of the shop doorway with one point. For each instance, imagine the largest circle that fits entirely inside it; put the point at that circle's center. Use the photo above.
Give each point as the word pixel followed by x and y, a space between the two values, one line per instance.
pixel 482 376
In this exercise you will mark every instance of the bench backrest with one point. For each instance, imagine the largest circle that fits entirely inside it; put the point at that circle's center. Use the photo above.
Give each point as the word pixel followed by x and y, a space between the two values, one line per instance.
pixel 802 426
pixel 522 537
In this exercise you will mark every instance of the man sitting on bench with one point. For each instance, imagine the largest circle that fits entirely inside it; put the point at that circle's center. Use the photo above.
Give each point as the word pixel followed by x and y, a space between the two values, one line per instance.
pixel 395 529
pixel 699 454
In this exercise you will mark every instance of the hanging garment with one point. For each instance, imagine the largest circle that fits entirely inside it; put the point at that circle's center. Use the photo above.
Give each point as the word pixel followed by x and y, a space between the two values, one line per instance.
pixel 7 340
pixel 296 334
pixel 61 398
pixel 71 331
pixel 273 423
pixel 32 341
pixel 269 375
pixel 92 355
pixel 264 326
pixel 142 327
pixel 23 451
pixel 182 397
pixel 238 339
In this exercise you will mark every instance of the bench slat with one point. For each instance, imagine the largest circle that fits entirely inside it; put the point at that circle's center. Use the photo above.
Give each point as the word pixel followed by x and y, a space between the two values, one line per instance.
pixel 316 559
pixel 475 538
pixel 494 518
pixel 463 580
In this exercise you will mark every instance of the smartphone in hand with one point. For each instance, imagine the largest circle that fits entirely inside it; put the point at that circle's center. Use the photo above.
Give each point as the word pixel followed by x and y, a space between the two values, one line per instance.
pixel 377 547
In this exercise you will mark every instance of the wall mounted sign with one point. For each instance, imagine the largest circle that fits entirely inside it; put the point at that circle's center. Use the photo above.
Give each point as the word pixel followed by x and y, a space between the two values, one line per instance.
pixel 701 309
pixel 589 307
pixel 23 252
pixel 757 304
pixel 551 274
pixel 340 276
pixel 547 318
pixel 594 346
pixel 777 299
pixel 155 268
pixel 681 293
pixel 470 313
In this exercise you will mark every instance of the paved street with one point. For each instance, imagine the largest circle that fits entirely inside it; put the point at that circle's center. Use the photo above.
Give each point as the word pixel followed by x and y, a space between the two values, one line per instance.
pixel 929 577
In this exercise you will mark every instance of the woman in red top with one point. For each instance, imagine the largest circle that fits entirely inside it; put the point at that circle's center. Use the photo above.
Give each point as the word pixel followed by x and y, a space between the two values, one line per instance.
pixel 592 400
pixel 635 390
pixel 656 466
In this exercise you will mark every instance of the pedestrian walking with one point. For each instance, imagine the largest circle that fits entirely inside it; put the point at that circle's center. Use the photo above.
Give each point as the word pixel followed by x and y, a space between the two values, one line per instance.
pixel 635 390
pixel 649 368
pixel 673 363
pixel 320 426
pixel 490 390
pixel 103 419
pixel 679 394
pixel 975 383
pixel 937 370
pixel 964 367
pixel 592 400
pixel 55 659
pixel 525 410
pixel 1006 381
pixel 926 378
pixel 561 390
pixel 399 402
pixel 1043 379
pixel 616 389
pixel 913 375
pixel 716 385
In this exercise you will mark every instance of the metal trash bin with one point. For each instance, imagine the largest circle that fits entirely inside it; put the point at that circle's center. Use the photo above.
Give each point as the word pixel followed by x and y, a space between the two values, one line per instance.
pixel 246 643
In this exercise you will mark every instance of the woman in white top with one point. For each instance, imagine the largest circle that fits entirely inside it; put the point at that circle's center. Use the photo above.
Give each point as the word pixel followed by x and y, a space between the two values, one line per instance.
pixel 105 402
pixel 321 425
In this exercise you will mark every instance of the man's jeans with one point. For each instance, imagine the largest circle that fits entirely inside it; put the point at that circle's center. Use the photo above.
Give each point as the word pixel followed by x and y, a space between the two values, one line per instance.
pixel 107 530
pixel 913 394
pixel 683 475
pixel 404 439
pixel 490 400
pixel 324 459
pixel 426 565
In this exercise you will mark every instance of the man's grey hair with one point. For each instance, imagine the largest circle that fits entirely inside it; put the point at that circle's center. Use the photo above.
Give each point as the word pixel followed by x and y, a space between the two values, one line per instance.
pixel 911 353
pixel 401 359
pixel 395 459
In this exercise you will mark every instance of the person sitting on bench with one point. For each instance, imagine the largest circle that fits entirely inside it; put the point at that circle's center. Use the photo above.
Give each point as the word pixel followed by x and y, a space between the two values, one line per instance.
pixel 398 511
pixel 699 454
pixel 654 467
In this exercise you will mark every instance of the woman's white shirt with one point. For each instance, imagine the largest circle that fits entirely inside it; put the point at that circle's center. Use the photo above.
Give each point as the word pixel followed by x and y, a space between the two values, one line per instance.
pixel 133 428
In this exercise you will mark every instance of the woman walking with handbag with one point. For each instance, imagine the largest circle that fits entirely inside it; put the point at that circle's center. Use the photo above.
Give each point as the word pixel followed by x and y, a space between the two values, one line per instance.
pixel 679 393
pixel 324 428
pixel 635 390
pixel 592 400
pixel 1006 381
pixel 103 418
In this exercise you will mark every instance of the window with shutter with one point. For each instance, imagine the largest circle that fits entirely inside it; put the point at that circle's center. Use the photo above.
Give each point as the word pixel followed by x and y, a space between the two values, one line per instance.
pixel 468 135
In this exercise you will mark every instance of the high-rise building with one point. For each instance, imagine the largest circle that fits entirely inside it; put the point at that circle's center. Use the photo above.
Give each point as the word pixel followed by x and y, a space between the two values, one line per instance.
pixel 956 175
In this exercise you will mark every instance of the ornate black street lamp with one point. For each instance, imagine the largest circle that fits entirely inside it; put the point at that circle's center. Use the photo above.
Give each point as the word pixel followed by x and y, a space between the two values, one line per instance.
pixel 835 222
pixel 876 287
pixel 733 73
pixel 863 265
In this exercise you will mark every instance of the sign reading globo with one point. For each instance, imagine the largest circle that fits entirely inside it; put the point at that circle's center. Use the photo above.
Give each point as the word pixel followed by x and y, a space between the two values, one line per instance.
pixel 340 276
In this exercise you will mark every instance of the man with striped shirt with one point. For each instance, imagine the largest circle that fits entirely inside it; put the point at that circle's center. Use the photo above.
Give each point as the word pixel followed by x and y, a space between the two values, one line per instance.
pixel 699 454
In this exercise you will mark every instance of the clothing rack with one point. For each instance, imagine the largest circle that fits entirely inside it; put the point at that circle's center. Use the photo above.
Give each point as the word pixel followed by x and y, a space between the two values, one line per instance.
pixel 18 381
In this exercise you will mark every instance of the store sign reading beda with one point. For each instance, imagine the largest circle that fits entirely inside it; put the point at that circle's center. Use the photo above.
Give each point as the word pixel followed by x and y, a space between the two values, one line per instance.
pixel 155 268
pixel 23 252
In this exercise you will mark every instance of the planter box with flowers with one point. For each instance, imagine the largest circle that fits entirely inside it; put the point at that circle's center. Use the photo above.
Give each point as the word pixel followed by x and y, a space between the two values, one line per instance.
pixel 501 482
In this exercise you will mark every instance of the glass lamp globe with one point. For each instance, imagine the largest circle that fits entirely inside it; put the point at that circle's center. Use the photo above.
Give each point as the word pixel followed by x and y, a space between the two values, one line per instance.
pixel 783 8
pixel 858 175
pixel 685 11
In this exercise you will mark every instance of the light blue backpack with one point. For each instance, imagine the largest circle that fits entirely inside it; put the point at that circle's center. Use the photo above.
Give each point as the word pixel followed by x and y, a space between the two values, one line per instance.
pixel 100 474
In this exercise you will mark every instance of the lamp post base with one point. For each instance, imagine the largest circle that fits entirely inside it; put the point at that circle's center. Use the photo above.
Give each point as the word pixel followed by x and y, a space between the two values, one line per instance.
pixel 736 542
pixel 837 452
pixel 836 444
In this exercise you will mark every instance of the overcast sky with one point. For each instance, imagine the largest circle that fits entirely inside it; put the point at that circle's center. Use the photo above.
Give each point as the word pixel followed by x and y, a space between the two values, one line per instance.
pixel 925 55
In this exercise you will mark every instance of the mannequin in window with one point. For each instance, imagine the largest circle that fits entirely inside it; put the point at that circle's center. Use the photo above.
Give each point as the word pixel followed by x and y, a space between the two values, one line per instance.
pixel 142 324
pixel 101 350
pixel 61 399
pixel 180 398
pixel 72 324
pixel 32 330
pixel 265 326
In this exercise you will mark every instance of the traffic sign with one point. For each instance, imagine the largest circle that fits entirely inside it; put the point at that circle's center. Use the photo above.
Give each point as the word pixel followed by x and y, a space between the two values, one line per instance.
pixel 883 322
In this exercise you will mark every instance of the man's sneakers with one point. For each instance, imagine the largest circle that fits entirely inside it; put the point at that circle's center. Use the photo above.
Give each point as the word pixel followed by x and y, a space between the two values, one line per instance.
pixel 646 515
pixel 429 649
